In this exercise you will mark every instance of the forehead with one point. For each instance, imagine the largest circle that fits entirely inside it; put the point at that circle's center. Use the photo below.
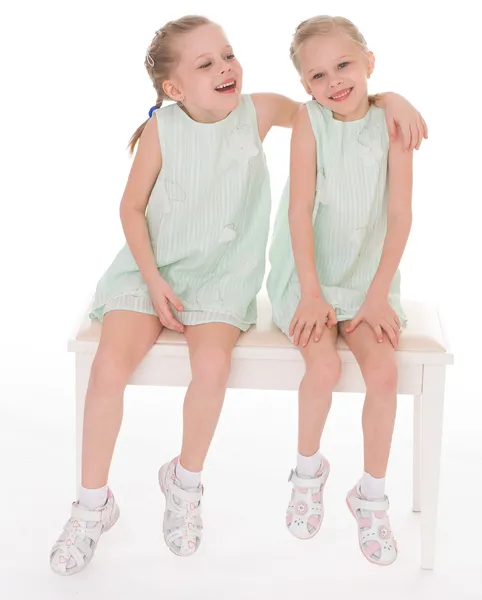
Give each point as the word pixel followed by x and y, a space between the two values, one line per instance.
pixel 322 50
pixel 206 39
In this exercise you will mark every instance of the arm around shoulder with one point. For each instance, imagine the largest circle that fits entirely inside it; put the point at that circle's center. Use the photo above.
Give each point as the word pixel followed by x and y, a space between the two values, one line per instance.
pixel 274 110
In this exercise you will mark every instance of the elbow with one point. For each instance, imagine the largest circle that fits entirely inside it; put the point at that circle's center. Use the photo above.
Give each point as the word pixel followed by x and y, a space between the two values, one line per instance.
pixel 127 213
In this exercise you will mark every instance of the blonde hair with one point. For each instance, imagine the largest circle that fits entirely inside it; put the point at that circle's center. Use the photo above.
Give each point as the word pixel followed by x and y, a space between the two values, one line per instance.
pixel 323 25
pixel 162 56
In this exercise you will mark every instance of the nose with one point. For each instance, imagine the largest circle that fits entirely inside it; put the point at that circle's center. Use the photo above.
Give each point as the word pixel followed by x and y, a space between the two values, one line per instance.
pixel 336 81
pixel 225 67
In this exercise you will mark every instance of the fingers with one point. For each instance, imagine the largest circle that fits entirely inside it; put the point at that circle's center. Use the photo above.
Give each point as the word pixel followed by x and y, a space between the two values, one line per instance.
pixel 419 135
pixel 425 128
pixel 422 131
pixel 378 333
pixel 332 320
pixel 297 331
pixel 406 136
pixel 293 324
pixel 319 327
pixel 307 330
pixel 392 129
pixel 416 137
pixel 174 300
pixel 167 318
pixel 354 324
pixel 392 333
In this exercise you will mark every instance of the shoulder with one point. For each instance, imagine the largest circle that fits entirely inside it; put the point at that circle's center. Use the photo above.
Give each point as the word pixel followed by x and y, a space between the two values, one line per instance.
pixel 149 147
pixel 303 132
pixel 166 113
pixel 312 115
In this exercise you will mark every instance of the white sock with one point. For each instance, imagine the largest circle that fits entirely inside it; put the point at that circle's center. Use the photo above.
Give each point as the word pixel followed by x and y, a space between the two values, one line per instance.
pixel 307 466
pixel 93 499
pixel 371 487
pixel 187 479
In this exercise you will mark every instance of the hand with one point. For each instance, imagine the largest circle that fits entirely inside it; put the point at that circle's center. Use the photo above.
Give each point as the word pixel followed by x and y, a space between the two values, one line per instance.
pixel 405 120
pixel 380 316
pixel 162 296
pixel 313 313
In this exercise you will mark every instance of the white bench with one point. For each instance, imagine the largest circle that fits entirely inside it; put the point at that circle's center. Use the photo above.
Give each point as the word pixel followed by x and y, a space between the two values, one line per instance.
pixel 265 359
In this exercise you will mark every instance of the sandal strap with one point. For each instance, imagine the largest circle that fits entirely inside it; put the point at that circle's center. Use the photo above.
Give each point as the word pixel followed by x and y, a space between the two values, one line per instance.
pixel 82 514
pixel 312 483
pixel 185 496
pixel 371 505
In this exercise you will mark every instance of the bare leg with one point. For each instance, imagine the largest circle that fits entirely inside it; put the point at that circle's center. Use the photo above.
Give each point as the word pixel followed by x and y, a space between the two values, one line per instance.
pixel 125 339
pixel 378 365
pixel 323 369
pixel 210 349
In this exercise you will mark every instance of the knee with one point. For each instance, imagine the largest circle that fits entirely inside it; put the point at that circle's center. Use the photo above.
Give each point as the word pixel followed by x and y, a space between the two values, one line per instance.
pixel 381 376
pixel 323 373
pixel 109 374
pixel 211 367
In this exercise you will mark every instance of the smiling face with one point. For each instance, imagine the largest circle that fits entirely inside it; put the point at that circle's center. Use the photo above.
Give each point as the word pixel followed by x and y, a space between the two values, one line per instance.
pixel 334 69
pixel 207 78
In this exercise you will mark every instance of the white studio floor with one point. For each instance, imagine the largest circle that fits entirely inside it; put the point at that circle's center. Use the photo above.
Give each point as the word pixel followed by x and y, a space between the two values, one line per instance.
pixel 247 553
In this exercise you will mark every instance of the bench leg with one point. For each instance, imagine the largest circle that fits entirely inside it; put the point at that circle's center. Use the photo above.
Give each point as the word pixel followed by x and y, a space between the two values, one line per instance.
pixel 417 452
pixel 83 363
pixel 432 424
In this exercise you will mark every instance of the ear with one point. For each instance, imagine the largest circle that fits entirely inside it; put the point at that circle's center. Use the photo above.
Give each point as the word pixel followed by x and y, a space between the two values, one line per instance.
pixel 172 91
pixel 371 63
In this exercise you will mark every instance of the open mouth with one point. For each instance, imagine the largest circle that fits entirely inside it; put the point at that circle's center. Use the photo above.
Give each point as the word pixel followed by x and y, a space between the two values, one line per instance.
pixel 228 87
pixel 341 95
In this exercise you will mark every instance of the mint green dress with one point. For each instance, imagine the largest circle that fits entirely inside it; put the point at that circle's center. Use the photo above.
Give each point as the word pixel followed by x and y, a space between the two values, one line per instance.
pixel 208 221
pixel 349 218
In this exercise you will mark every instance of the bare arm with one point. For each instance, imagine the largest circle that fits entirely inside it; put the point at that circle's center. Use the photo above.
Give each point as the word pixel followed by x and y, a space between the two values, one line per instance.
pixel 399 218
pixel 313 312
pixel 144 171
pixel 302 197
pixel 274 110
pixel 402 119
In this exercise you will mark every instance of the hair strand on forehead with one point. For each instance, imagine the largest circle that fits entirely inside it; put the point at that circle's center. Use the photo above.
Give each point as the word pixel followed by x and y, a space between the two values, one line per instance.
pixel 323 25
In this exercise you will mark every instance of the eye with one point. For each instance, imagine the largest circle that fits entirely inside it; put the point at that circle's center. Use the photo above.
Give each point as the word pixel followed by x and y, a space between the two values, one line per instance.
pixel 206 65
pixel 343 65
pixel 230 56
pixel 318 75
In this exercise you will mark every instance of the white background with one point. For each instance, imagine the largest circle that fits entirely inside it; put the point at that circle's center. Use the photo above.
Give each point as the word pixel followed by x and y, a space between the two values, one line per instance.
pixel 74 90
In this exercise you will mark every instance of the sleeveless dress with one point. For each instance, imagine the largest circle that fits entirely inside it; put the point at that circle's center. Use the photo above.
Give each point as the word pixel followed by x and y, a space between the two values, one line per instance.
pixel 208 221
pixel 349 218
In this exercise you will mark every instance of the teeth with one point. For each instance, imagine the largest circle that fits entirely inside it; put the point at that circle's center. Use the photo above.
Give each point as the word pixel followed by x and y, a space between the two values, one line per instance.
pixel 342 95
pixel 225 85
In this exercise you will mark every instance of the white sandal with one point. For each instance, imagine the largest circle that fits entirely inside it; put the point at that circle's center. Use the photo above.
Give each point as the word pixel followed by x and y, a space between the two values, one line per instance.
pixel 182 526
pixel 305 513
pixel 77 543
pixel 375 536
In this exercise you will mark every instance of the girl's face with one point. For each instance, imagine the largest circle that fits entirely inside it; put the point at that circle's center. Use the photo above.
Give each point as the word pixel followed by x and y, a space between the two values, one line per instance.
pixel 208 78
pixel 334 70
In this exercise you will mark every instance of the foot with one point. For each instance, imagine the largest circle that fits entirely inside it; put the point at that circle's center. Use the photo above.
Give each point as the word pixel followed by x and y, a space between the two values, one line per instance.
pixel 182 525
pixel 375 536
pixel 305 511
pixel 77 543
